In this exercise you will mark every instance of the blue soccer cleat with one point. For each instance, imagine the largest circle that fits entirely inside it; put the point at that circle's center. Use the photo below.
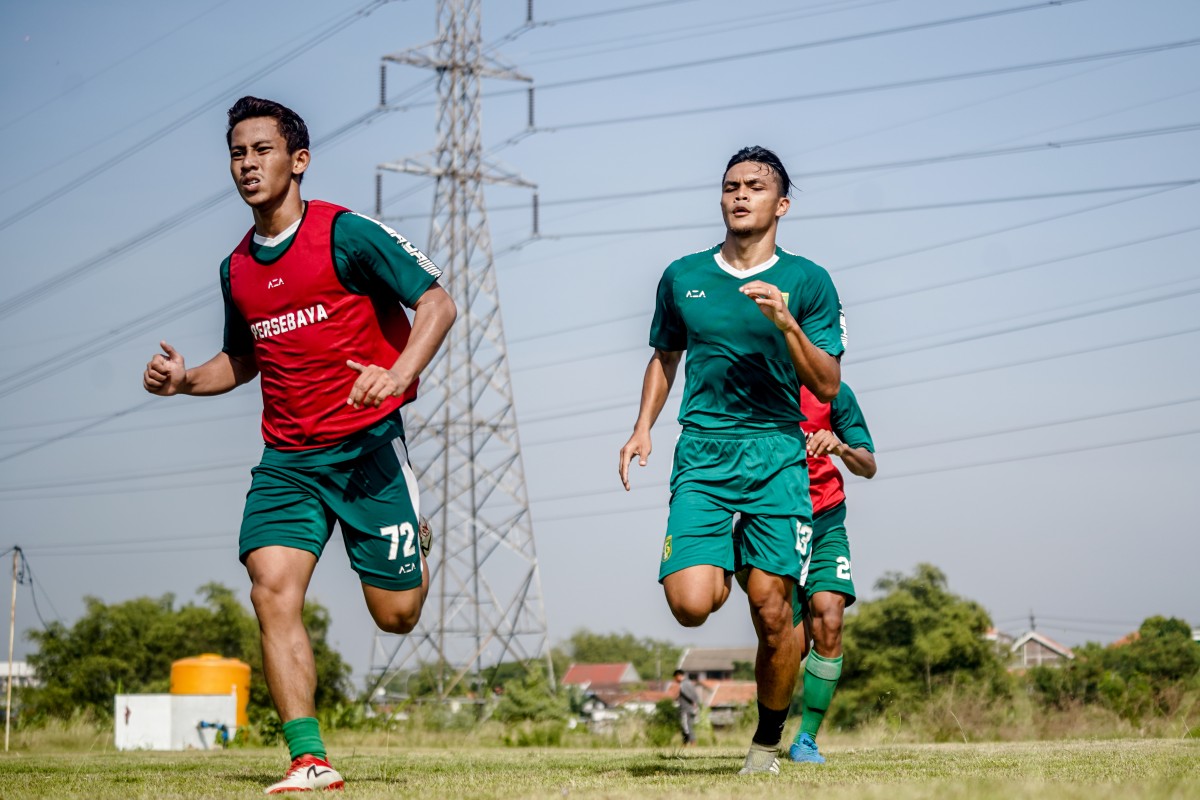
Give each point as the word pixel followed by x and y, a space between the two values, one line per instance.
pixel 804 751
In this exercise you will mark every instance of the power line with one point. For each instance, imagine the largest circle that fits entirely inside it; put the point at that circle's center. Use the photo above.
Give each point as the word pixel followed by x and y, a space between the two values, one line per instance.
pixel 142 238
pixel 213 102
pixel 1079 141
pixel 633 41
pixel 101 71
pixel 911 83
pixel 791 48
pixel 1159 185
pixel 86 427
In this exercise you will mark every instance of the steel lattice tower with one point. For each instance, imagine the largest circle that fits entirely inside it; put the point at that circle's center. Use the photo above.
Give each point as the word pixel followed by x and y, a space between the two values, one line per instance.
pixel 485 599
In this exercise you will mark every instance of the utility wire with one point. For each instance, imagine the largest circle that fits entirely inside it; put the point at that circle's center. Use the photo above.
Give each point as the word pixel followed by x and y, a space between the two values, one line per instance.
pixel 215 101
pixel 911 83
pixel 103 70
pixel 642 72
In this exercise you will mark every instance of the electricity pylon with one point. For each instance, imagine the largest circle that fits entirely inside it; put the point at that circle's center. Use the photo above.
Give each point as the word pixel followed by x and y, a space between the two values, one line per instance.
pixel 485 601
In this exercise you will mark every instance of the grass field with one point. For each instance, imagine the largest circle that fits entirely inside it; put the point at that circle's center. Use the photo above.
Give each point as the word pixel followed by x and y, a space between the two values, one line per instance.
pixel 1091 770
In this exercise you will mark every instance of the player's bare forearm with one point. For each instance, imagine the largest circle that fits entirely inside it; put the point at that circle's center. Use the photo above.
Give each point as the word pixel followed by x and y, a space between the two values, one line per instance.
pixel 656 385
pixel 434 313
pixel 816 369
pixel 218 375
pixel 858 460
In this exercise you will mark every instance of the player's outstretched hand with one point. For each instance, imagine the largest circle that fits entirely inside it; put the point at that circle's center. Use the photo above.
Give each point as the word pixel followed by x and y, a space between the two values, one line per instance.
pixel 824 442
pixel 374 385
pixel 770 302
pixel 637 447
pixel 165 373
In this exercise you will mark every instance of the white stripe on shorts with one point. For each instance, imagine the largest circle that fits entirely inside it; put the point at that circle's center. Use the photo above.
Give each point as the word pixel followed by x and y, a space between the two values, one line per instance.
pixel 410 478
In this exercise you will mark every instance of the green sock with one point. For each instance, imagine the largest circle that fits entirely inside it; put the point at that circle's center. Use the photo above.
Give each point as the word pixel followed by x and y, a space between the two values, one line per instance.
pixel 820 680
pixel 303 736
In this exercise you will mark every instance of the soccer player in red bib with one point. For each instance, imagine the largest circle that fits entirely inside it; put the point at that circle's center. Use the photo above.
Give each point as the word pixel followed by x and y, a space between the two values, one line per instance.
pixel 837 429
pixel 315 299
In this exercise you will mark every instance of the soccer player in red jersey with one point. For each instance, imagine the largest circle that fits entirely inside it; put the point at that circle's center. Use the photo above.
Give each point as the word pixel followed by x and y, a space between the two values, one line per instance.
pixel 314 306
pixel 837 429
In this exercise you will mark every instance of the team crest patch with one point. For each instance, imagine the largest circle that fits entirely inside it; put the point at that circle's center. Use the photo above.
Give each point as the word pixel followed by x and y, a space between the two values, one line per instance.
pixel 667 547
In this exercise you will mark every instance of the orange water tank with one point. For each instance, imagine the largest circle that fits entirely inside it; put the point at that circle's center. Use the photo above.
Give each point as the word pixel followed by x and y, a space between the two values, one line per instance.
pixel 211 674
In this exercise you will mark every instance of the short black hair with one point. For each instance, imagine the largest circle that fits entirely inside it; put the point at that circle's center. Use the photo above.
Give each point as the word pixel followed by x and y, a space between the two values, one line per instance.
pixel 761 155
pixel 680 672
pixel 291 126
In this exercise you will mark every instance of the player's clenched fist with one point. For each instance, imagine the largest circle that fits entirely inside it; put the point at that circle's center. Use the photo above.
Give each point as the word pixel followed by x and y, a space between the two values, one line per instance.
pixel 374 385
pixel 165 373
pixel 770 302
pixel 824 442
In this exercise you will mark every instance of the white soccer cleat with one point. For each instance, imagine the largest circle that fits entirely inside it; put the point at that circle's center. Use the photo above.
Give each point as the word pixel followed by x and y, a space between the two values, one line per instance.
pixel 424 536
pixel 760 759
pixel 308 774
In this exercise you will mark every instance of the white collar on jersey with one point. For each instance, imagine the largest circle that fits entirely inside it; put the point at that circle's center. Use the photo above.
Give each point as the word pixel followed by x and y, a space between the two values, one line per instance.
pixel 275 241
pixel 744 273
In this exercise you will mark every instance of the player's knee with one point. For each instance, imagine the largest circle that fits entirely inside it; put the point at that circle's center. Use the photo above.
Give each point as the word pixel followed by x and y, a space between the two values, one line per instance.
pixel 775 619
pixel 399 618
pixel 274 598
pixel 690 612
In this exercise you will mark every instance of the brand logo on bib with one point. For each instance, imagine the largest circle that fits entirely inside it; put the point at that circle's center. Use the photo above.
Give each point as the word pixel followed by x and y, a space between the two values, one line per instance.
pixel 695 293
pixel 274 283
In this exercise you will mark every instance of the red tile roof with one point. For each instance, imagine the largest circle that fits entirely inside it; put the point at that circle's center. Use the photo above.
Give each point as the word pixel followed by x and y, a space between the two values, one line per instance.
pixel 600 674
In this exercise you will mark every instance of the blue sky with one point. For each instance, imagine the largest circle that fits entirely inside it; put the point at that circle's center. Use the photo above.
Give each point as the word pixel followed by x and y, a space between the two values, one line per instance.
pixel 1008 206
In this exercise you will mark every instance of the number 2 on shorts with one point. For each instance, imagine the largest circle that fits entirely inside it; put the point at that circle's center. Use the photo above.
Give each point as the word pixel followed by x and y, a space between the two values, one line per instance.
pixel 394 532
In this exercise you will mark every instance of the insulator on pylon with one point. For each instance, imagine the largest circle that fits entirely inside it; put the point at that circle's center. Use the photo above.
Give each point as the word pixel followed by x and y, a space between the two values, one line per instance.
pixel 530 91
pixel 383 84
pixel 378 195
pixel 535 213
pixel 528 12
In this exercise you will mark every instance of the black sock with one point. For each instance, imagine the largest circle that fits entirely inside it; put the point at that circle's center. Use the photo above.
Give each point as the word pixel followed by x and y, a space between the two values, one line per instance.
pixel 770 726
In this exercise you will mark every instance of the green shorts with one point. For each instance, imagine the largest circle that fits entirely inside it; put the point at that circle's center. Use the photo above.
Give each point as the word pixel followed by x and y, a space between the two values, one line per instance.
pixel 828 566
pixel 760 475
pixel 373 496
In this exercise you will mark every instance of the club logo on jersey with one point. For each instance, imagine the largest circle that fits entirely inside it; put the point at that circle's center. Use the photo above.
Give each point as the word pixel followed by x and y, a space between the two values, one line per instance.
pixel 274 283
pixel 695 293
pixel 667 547
pixel 289 321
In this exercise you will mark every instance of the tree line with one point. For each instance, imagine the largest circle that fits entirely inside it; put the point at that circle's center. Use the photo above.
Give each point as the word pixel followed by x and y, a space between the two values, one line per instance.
pixel 908 649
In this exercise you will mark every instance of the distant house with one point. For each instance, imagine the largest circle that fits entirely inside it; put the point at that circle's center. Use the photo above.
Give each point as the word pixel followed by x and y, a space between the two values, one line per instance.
pixel 1035 650
pixel 602 685
pixel 1196 635
pixel 715 663
pixel 645 701
pixel 727 700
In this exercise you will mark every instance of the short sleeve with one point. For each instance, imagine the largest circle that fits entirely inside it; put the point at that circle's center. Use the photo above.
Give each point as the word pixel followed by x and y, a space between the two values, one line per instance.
pixel 667 330
pixel 847 420
pixel 374 260
pixel 821 316
pixel 238 339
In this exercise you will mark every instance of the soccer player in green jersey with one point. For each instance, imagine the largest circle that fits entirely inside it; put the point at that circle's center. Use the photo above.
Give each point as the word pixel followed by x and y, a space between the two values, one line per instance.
pixel 757 323
pixel 314 307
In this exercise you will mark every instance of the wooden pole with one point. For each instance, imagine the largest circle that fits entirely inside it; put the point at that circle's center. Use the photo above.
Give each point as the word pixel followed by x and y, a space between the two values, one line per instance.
pixel 12 629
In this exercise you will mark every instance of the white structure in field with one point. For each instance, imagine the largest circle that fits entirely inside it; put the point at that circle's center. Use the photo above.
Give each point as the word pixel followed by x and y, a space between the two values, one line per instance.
pixel 173 721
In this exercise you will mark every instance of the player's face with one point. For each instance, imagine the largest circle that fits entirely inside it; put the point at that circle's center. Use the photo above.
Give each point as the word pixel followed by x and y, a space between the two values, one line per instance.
pixel 751 200
pixel 261 166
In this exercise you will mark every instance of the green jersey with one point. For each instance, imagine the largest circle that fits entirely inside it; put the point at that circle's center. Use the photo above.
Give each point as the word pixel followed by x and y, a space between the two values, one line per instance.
pixel 738 373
